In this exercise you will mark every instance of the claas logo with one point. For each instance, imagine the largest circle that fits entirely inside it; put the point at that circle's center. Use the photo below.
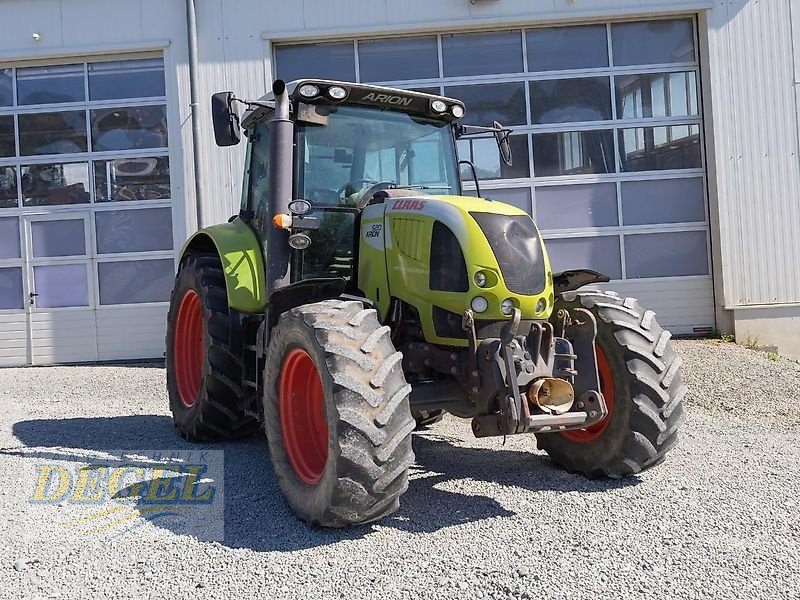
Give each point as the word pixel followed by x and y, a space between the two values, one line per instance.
pixel 408 205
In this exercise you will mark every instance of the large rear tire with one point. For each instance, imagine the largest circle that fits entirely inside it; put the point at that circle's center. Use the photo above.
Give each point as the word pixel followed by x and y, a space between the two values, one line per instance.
pixel 640 379
pixel 336 414
pixel 203 370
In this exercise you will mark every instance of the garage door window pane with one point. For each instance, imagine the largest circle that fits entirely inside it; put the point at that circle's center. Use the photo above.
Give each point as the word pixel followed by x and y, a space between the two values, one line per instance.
pixel 126 79
pixel 519 197
pixel 573 153
pixel 503 102
pixel 141 178
pixel 47 184
pixel 660 148
pixel 58 238
pixel 52 133
pixel 653 42
pixel 8 187
pixel 573 206
pixel 396 59
pixel 50 85
pixel 6 88
pixel 664 201
pixel 482 53
pixel 484 154
pixel 327 61
pixel 133 282
pixel 7 146
pixel 11 288
pixel 9 238
pixel 657 95
pixel 60 286
pixel 598 253
pixel 132 128
pixel 562 48
pixel 666 254
pixel 571 100
pixel 134 230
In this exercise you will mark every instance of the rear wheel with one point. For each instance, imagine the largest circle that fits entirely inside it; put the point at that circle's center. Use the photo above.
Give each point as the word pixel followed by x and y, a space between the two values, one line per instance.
pixel 203 371
pixel 336 414
pixel 641 382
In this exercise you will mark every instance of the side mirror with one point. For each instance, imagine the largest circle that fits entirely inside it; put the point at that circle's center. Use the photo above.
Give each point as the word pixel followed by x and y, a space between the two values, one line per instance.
pixel 227 131
pixel 501 137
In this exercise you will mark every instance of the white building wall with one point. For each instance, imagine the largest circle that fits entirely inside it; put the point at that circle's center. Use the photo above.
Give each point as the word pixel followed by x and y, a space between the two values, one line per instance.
pixel 751 114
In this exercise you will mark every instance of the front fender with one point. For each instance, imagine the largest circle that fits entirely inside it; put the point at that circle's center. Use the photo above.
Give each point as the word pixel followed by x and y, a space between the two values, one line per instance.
pixel 242 261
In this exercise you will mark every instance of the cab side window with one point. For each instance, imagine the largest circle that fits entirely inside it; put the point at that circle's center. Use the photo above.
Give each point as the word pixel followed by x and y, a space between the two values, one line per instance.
pixel 258 176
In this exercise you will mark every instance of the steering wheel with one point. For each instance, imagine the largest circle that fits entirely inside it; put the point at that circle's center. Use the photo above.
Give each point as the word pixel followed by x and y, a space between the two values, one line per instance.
pixel 353 185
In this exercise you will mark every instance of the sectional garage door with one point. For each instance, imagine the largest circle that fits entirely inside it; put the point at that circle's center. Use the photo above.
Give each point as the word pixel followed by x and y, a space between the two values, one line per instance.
pixel 607 142
pixel 86 239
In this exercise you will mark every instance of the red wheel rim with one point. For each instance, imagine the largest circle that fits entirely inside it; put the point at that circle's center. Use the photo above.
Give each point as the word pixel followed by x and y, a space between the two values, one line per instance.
pixel 590 434
pixel 305 431
pixel 189 349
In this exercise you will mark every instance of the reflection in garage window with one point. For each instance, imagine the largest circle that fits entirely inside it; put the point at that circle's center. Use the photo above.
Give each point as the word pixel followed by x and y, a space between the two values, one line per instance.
pixel 657 95
pixel 48 184
pixel 484 155
pixel 11 288
pixel 52 133
pixel 50 85
pixel 571 100
pixel 142 230
pixel 133 282
pixel 131 128
pixel 573 153
pixel 140 178
pixel 7 145
pixel 504 102
pixel 126 79
pixel 8 187
pixel 6 87
pixel 660 148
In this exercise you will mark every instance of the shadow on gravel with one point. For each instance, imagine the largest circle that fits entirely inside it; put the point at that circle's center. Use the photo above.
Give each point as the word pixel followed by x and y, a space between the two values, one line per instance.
pixel 256 516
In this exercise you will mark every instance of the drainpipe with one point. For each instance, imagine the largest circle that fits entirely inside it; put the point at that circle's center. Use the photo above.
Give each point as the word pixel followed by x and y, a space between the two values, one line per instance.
pixel 194 105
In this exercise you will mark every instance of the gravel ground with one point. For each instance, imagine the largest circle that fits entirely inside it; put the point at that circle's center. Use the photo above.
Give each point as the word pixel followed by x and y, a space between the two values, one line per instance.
pixel 481 519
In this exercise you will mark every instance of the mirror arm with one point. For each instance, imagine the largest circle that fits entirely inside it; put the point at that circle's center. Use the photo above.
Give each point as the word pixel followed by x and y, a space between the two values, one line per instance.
pixel 470 130
pixel 470 164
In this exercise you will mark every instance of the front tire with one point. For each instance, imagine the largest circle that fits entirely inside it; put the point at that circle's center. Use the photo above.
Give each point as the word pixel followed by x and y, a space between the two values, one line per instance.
pixel 336 414
pixel 203 369
pixel 640 379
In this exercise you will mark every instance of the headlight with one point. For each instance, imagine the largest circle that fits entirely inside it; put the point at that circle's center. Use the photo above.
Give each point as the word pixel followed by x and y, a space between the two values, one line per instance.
pixel 337 92
pixel 438 106
pixel 457 111
pixel 480 304
pixel 541 305
pixel 308 90
pixel 480 279
pixel 507 306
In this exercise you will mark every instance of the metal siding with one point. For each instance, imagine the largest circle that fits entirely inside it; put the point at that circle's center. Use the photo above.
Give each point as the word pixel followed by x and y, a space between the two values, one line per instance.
pixel 758 175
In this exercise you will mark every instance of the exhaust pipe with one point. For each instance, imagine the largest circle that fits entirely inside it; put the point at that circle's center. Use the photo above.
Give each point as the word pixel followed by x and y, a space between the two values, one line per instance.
pixel 553 396
pixel 280 188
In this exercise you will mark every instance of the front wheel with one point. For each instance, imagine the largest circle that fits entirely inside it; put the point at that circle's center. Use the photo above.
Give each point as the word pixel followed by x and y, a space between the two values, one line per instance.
pixel 641 382
pixel 336 414
pixel 203 369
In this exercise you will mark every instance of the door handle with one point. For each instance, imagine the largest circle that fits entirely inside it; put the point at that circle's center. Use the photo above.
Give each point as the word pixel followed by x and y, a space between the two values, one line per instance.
pixel 32 295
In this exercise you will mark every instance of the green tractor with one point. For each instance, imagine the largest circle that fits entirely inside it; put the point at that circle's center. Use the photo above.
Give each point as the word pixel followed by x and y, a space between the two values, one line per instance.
pixel 358 296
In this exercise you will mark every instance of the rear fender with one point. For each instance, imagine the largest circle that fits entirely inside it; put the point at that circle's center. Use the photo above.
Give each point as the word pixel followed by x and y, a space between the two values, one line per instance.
pixel 242 261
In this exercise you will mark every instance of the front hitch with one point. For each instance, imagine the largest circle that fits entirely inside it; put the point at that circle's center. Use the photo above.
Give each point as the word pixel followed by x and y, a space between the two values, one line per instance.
pixel 530 362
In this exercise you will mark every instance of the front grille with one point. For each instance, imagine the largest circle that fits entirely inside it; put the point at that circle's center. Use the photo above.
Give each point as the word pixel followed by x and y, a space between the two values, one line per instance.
pixel 518 250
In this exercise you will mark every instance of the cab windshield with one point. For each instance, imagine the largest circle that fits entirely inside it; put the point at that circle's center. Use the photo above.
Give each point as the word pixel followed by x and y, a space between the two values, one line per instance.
pixel 361 147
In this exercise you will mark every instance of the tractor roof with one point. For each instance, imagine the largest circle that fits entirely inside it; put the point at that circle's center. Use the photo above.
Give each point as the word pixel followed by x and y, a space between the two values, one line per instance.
pixel 386 98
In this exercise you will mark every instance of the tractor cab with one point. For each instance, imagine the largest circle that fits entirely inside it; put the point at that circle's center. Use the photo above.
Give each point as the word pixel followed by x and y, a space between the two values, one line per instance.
pixel 350 142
